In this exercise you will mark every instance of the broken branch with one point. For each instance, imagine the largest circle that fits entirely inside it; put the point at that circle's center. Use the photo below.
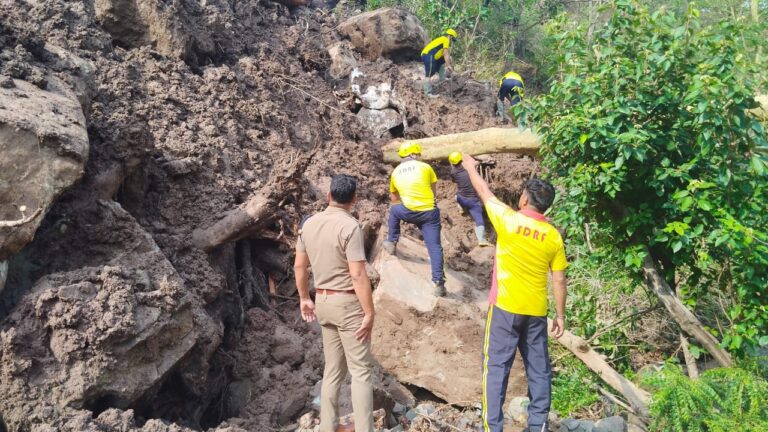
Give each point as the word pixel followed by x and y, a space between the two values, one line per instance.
pixel 681 314
pixel 257 213
pixel 637 397
pixel 690 362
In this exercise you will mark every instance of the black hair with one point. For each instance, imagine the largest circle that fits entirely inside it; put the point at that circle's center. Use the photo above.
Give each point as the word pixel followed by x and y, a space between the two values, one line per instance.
pixel 541 194
pixel 343 188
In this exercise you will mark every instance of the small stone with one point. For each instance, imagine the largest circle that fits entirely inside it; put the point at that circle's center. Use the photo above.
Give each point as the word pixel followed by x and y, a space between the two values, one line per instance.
pixel 397 428
pixel 411 414
pixel 517 409
pixel 611 424
pixel 426 409
pixel 7 82
pixel 399 408
pixel 307 420
pixel 463 423
pixel 573 425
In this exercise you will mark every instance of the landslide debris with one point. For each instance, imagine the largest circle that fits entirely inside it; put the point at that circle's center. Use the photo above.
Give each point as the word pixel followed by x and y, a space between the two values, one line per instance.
pixel 153 119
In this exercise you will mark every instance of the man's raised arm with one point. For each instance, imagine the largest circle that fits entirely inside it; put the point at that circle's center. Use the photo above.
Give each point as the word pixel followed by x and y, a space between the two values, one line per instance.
pixel 481 187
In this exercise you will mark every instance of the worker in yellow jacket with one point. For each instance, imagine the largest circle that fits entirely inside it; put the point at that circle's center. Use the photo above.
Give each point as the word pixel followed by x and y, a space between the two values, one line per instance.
pixel 436 57
pixel 510 87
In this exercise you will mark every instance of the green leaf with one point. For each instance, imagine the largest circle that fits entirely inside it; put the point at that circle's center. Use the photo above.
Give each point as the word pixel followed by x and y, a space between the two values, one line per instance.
pixel 583 138
pixel 695 351
pixel 758 165
pixel 763 341
pixel 676 246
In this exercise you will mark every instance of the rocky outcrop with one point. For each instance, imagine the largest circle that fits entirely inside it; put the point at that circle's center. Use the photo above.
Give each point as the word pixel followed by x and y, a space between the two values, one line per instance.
pixel 389 32
pixel 43 150
pixel 431 342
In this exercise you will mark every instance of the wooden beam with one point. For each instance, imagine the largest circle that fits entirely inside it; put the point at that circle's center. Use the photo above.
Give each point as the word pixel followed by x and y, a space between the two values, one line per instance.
pixel 483 141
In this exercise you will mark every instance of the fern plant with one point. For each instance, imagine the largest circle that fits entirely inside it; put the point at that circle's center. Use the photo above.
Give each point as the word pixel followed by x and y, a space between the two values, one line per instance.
pixel 725 399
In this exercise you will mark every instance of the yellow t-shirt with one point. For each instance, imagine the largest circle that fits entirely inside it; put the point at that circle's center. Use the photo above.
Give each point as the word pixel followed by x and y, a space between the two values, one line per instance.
pixel 526 249
pixel 440 44
pixel 413 180
pixel 511 75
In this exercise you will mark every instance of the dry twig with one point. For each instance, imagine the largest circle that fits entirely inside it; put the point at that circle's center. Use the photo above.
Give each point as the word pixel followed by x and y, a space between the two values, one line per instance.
pixel 22 221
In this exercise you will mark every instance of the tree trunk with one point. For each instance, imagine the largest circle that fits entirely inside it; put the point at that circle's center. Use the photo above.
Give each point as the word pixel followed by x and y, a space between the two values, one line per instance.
pixel 484 141
pixel 637 397
pixel 684 317
pixel 257 213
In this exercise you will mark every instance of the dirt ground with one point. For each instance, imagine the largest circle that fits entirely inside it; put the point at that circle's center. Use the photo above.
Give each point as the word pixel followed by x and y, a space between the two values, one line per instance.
pixel 189 115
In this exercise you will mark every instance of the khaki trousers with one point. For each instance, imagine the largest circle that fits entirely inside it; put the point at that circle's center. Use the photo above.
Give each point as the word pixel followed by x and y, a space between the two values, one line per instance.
pixel 340 316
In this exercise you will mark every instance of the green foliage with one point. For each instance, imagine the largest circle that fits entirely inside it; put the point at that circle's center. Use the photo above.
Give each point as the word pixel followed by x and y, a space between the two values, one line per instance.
pixel 493 35
pixel 573 388
pixel 646 130
pixel 727 399
pixel 600 293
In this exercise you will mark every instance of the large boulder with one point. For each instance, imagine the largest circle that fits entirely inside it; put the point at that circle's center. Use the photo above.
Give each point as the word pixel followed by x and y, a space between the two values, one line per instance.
pixel 43 150
pixel 389 32
pixel 434 343
pixel 99 331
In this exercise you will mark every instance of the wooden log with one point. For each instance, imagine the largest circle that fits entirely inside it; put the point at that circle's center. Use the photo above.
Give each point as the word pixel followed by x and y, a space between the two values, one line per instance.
pixel 684 317
pixel 257 213
pixel 483 141
pixel 637 397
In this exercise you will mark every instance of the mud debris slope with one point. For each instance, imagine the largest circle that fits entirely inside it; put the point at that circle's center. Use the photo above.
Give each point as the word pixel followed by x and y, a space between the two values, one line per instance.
pixel 109 318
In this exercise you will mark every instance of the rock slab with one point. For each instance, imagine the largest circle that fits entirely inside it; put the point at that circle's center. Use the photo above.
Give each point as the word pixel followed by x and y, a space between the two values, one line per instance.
pixel 432 343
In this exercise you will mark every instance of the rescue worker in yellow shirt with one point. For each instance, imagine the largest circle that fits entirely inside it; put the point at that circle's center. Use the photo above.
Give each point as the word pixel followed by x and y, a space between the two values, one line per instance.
pixel 436 57
pixel 528 247
pixel 511 88
pixel 412 189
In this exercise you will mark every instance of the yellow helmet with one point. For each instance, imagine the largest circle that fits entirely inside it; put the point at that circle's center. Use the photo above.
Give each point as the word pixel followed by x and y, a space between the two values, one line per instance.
pixel 451 32
pixel 408 148
pixel 454 158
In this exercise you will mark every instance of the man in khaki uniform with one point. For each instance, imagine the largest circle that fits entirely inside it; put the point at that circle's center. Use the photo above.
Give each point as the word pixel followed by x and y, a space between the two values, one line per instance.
pixel 332 242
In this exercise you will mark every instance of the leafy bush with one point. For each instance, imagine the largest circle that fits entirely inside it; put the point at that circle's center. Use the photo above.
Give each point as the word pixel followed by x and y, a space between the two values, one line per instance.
pixel 573 388
pixel 646 130
pixel 726 399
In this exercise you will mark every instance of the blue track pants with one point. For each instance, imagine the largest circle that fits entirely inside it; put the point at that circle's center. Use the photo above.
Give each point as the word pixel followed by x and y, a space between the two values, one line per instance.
pixel 504 333
pixel 429 224
pixel 474 207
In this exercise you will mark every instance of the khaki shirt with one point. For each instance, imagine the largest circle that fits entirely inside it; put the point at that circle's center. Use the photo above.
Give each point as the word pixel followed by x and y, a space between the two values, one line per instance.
pixel 331 239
